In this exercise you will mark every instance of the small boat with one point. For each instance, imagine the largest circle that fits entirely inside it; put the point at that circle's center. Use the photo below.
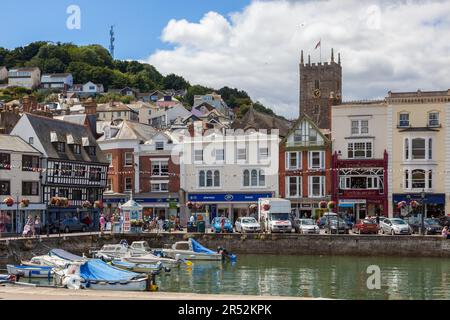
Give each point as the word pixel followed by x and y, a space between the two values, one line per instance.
pixel 95 274
pixel 192 250
pixel 65 255
pixel 30 272
pixel 139 267
pixel 150 258
pixel 56 258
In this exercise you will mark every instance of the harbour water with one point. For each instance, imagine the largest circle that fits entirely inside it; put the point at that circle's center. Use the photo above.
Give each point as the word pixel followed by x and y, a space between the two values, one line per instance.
pixel 313 276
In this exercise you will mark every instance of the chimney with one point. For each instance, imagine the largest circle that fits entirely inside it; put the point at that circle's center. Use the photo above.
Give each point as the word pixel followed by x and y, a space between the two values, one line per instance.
pixel 29 103
pixel 90 109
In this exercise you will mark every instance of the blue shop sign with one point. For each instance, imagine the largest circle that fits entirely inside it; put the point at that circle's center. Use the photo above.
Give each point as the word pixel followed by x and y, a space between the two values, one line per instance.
pixel 229 197
pixel 156 200
pixel 430 198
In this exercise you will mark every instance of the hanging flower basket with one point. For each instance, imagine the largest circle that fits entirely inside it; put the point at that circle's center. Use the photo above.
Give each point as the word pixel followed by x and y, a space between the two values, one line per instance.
pixel 24 203
pixel 266 207
pixel 253 208
pixel 53 201
pixel 190 205
pixel 414 204
pixel 401 204
pixel 98 204
pixel 64 202
pixel 87 204
pixel 331 205
pixel 323 204
pixel 9 202
pixel 199 206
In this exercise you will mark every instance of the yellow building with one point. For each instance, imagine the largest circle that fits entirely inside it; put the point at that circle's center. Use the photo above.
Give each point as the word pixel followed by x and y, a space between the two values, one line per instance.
pixel 418 143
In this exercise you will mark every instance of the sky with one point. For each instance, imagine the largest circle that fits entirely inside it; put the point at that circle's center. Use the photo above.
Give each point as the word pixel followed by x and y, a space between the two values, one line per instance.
pixel 255 45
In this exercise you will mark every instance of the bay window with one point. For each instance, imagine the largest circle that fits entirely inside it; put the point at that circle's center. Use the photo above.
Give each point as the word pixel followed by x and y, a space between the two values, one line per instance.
pixel 418 149
pixel 418 179
pixel 360 150
pixel 293 160
pixel 293 187
pixel 316 186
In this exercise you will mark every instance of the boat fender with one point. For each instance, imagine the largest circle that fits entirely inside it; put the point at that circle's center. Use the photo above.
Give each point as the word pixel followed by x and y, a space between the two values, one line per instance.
pixel 167 269
pixel 177 257
pixel 72 282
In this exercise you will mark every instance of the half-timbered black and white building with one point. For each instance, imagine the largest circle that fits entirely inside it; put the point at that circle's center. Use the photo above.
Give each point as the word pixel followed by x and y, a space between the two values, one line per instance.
pixel 73 165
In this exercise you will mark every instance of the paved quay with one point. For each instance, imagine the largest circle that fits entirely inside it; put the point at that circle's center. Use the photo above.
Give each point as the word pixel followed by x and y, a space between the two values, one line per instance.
pixel 13 292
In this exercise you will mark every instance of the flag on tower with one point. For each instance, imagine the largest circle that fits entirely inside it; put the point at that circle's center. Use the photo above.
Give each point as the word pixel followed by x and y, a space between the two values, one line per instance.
pixel 318 45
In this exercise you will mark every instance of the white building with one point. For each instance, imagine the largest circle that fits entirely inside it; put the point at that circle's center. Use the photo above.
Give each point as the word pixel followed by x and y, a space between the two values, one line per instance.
pixel 29 78
pixel 228 173
pixel 164 118
pixel 62 81
pixel 19 179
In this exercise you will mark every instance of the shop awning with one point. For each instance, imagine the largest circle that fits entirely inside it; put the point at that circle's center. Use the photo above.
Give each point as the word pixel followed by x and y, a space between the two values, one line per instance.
pixel 346 205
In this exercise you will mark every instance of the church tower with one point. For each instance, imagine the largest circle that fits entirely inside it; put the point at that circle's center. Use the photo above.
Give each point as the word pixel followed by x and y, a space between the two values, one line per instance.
pixel 320 87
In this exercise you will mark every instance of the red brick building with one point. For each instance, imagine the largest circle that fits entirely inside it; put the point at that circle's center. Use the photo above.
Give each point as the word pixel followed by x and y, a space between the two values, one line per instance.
pixel 305 167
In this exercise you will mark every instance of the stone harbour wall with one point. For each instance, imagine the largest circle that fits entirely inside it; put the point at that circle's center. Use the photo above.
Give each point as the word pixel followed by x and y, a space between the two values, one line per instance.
pixel 288 244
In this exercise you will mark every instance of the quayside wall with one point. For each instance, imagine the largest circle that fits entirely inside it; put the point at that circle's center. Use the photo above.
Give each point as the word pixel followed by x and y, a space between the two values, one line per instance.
pixel 13 250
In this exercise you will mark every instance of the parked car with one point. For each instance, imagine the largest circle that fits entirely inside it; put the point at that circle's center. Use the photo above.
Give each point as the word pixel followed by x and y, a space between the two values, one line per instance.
pixel 217 225
pixel 68 225
pixel 247 224
pixel 395 226
pixel 365 226
pixel 444 221
pixel 336 226
pixel 323 220
pixel 306 226
pixel 431 226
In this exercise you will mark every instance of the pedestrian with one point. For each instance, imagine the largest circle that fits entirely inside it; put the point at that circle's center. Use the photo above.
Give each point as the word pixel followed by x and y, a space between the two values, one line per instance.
pixel 28 230
pixel 102 223
pixel 37 225
pixel 222 224
pixel 445 233
pixel 160 224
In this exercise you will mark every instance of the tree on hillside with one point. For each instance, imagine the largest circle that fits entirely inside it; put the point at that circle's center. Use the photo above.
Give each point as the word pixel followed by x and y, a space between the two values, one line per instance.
pixel 196 90
pixel 172 81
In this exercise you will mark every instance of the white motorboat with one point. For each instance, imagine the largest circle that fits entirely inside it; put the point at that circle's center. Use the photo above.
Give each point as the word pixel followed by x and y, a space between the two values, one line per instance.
pixel 192 250
pixel 150 258
pixel 30 272
pixel 45 261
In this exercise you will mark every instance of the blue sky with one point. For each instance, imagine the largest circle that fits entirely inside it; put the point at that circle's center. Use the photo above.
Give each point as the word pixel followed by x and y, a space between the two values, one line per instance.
pixel 139 23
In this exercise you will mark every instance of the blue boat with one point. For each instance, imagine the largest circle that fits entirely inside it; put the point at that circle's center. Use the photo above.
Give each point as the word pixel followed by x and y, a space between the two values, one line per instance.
pixel 30 272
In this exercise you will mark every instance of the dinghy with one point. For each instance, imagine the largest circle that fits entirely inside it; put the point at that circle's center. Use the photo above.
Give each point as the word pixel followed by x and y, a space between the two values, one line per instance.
pixel 139 267
pixel 30 272
pixel 95 274
pixel 192 250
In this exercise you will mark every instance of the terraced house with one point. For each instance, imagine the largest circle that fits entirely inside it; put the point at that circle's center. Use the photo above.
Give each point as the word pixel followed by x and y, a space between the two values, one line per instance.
pixel 418 138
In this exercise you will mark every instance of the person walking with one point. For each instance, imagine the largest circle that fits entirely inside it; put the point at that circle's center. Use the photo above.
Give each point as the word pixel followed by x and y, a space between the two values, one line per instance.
pixel 445 233
pixel 37 226
pixel 28 230
pixel 102 223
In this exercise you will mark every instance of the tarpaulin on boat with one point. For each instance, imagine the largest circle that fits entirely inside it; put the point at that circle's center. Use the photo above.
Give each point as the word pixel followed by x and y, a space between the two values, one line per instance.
pixel 98 270
pixel 197 247
pixel 65 255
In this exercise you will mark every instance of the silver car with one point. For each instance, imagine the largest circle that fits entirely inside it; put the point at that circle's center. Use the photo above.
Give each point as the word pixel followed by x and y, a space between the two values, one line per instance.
pixel 306 226
pixel 395 226
pixel 247 224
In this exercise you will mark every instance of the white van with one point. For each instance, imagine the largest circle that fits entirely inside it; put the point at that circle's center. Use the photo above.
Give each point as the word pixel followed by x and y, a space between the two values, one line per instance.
pixel 275 213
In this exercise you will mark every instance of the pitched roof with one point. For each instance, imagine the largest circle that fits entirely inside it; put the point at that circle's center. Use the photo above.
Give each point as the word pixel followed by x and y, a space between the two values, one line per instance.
pixel 15 144
pixel 56 75
pixel 304 117
pixel 46 128
pixel 107 107
pixel 79 119
pixel 258 120
pixel 130 130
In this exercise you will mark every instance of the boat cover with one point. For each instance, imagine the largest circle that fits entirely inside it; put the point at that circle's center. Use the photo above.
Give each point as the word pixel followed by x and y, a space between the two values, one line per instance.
pixel 197 247
pixel 96 269
pixel 65 255
pixel 42 268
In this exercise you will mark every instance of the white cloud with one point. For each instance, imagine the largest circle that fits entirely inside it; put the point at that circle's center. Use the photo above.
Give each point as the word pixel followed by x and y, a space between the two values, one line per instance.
pixel 384 46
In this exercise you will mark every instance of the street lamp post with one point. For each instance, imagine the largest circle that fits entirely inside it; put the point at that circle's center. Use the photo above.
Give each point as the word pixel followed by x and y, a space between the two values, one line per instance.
pixel 422 195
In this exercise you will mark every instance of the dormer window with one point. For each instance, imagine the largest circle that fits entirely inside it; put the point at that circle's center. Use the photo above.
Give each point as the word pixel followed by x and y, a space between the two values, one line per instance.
pixel 76 148
pixel 91 150
pixel 60 147
pixel 159 145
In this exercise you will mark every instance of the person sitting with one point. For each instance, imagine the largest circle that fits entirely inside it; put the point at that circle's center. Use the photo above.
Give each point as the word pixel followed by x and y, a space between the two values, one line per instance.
pixel 445 233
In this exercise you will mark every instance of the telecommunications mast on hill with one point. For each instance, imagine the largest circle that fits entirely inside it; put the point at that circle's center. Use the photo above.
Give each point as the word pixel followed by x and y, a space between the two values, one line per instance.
pixel 112 39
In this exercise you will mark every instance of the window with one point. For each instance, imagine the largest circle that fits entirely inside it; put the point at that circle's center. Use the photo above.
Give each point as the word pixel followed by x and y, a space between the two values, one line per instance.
pixel 403 120
pixel 220 154
pixel 91 150
pixel 60 147
pixel 430 149
pixel 359 150
pixel 406 149
pixel 80 171
pixel 242 154
pixel 5 161
pixel 109 185
pixel 128 184
pixel 263 153
pixel 198 155
pixel 129 159
pixel 160 187
pixel 316 160
pixel 433 119
pixel 95 174
pixel 316 187
pixel 109 159
pixel 317 84
pixel 77 195
pixel 293 186
pixel 64 193
pixel 76 149
pixel 31 140
pixel 418 179
pixel 430 179
pixel 293 160
pixel 361 182
pixel 30 163
pixel 66 170
pixel 159 145
pixel 418 149
pixel 5 188
pixel 406 179
pixel 254 178
pixel 360 127
pixel 160 168
pixel 209 178
pixel 298 137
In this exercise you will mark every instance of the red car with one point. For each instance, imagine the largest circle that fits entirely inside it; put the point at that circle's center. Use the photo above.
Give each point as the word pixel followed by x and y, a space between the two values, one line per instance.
pixel 365 226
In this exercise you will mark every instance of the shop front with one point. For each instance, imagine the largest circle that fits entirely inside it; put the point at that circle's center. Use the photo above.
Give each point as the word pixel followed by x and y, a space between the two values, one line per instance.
pixel 14 218
pixel 230 205
pixel 305 209
pixel 432 204
pixel 163 207
pixel 57 215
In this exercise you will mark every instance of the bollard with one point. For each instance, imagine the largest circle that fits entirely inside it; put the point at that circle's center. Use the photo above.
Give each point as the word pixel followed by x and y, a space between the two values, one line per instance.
pixel 151 282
